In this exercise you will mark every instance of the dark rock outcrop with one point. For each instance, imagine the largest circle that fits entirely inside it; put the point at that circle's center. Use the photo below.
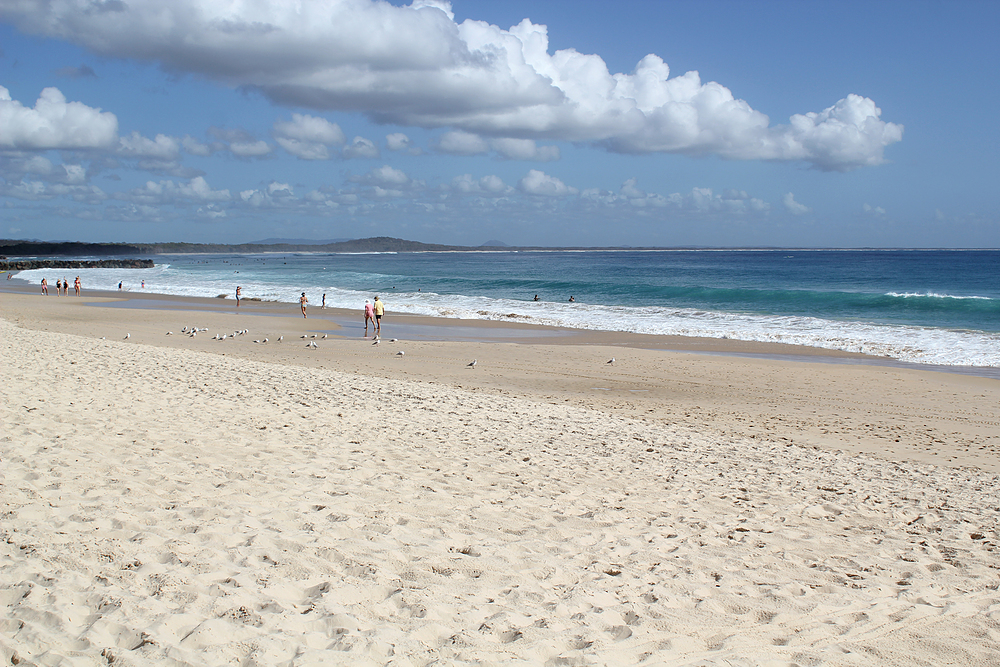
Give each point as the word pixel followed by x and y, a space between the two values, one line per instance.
pixel 28 264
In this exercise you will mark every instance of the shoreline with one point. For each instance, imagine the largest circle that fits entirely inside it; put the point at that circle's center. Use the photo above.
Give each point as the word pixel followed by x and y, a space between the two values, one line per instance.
pixel 430 328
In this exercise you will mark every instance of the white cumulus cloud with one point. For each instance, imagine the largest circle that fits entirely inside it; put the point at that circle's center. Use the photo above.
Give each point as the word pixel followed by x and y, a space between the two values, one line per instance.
pixel 362 148
pixel 195 147
pixel 397 141
pixel 388 178
pixel 524 149
pixel 162 147
pixel 541 184
pixel 54 123
pixel 698 202
pixel 308 137
pixel 169 192
pixel 415 66
pixel 458 142
pixel 794 207
pixel 488 186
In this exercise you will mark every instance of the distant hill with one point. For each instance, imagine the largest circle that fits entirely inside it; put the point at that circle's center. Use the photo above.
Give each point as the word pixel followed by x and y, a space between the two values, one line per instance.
pixel 493 243
pixel 297 242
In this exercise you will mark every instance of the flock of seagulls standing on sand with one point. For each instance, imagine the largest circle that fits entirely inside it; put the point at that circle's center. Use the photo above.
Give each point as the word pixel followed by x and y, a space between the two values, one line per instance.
pixel 311 344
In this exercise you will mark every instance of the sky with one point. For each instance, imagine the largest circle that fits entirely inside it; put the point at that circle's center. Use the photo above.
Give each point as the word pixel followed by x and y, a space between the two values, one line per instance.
pixel 722 123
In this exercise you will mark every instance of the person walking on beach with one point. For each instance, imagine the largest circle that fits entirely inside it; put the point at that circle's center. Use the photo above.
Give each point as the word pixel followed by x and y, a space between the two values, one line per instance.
pixel 302 303
pixel 76 285
pixel 379 311
pixel 239 293
pixel 120 285
pixel 45 287
pixel 323 305
pixel 369 316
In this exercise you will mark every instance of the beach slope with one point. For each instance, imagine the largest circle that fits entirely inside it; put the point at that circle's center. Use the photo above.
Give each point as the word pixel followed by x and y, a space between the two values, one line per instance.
pixel 173 506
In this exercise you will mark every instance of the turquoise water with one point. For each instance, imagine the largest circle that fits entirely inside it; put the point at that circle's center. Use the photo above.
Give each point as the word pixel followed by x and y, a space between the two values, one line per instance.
pixel 923 306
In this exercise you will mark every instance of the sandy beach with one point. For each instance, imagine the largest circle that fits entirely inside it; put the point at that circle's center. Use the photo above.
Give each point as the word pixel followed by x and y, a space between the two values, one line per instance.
pixel 178 500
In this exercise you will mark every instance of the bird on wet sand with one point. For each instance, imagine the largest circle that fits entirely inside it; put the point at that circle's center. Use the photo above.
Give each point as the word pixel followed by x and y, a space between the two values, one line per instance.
pixel 399 354
pixel 473 363
pixel 612 360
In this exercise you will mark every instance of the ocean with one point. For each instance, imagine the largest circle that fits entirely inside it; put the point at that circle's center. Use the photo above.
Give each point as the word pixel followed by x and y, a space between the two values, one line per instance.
pixel 938 307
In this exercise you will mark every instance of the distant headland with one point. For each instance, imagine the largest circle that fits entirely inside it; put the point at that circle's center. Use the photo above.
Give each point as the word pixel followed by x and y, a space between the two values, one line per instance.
pixel 10 248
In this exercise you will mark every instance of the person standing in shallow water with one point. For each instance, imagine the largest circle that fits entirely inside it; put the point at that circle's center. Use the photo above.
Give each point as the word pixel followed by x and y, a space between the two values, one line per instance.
pixel 379 311
pixel 302 303
pixel 239 293
pixel 369 317
pixel 76 285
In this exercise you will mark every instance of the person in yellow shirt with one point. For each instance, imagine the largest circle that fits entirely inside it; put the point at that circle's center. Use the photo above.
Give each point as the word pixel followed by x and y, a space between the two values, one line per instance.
pixel 379 311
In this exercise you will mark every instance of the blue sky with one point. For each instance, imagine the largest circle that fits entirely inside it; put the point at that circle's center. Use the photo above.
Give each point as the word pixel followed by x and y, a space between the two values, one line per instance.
pixel 827 124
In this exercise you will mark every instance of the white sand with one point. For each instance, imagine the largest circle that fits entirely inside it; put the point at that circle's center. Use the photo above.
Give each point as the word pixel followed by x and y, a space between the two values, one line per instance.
pixel 176 507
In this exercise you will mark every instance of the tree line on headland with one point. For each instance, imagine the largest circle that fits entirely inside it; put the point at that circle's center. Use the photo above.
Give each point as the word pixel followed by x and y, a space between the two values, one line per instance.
pixel 29 264
pixel 73 249
pixel 11 248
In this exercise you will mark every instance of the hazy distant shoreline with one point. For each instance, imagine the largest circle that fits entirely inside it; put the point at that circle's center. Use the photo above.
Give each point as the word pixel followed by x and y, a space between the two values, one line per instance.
pixel 16 248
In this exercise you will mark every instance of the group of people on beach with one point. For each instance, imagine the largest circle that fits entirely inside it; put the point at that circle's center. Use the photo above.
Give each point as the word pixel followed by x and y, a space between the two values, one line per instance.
pixel 62 287
pixel 373 314
pixel 373 311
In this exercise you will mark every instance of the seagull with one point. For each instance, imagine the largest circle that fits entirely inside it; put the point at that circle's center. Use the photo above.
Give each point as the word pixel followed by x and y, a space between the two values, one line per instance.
pixel 256 341
pixel 303 336
pixel 127 336
pixel 281 338
pixel 193 334
pixel 376 342
pixel 313 336
pixel 473 364
pixel 265 340
pixel 612 360
pixel 393 340
pixel 324 335
pixel 170 333
pixel 223 337
pixel 399 354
